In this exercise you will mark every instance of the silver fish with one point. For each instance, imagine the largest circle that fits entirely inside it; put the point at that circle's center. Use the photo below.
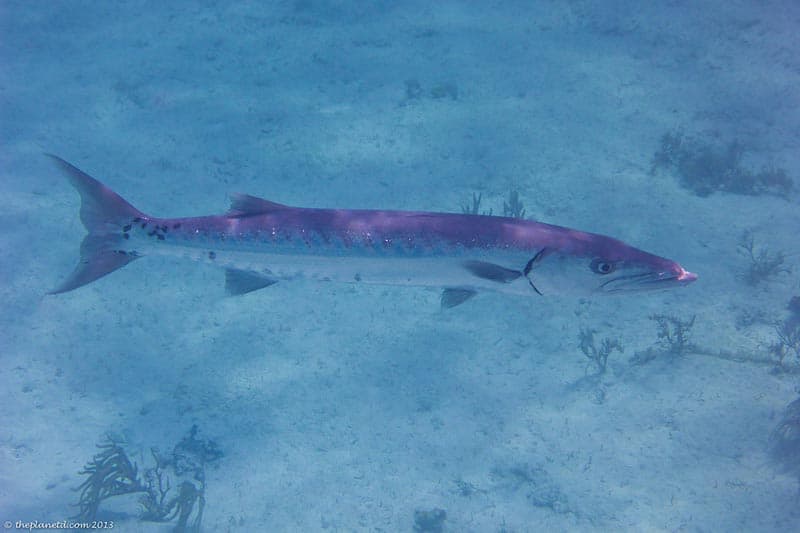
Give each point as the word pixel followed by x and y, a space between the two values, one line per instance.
pixel 259 242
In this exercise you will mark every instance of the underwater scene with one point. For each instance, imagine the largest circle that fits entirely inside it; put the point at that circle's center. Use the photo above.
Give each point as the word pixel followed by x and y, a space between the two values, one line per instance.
pixel 308 265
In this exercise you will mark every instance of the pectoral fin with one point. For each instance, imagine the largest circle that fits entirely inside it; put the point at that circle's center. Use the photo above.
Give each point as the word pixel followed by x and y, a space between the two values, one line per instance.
pixel 492 271
pixel 243 281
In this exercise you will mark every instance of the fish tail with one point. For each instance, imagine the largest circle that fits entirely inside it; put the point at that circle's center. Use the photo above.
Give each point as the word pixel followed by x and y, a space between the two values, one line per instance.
pixel 105 215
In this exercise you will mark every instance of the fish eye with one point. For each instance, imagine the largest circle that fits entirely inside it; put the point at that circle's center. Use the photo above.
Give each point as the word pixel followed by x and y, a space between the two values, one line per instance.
pixel 599 266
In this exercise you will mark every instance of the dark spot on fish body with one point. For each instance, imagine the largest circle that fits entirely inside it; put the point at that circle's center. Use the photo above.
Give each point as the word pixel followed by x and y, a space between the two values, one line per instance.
pixel 306 240
pixel 357 277
pixel 126 236
pixel 125 252
pixel 127 228
pixel 315 239
pixel 176 225
pixel 212 255
pixel 160 237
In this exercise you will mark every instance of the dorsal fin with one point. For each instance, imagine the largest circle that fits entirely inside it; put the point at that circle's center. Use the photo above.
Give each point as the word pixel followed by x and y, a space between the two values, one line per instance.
pixel 244 205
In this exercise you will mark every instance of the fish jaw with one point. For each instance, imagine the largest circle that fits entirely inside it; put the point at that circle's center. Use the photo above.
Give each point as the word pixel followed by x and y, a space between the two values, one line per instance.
pixel 647 273
pixel 649 280
pixel 685 277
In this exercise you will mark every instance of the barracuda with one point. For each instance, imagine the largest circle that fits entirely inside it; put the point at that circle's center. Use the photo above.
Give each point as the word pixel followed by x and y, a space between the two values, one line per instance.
pixel 259 243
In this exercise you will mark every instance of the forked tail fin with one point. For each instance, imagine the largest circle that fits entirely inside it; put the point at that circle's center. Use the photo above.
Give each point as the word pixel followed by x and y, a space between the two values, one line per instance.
pixel 104 213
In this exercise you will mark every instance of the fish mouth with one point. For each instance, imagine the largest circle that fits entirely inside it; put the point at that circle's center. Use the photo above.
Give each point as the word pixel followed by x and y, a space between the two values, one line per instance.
pixel 649 281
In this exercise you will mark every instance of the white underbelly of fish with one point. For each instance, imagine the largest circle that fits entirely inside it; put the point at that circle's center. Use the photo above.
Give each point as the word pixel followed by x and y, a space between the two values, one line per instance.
pixel 426 271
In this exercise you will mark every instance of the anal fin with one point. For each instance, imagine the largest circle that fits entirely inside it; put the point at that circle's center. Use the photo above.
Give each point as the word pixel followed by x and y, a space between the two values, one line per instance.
pixel 456 296
pixel 243 281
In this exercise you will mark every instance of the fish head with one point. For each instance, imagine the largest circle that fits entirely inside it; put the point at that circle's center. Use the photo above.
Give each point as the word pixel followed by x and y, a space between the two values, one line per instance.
pixel 599 264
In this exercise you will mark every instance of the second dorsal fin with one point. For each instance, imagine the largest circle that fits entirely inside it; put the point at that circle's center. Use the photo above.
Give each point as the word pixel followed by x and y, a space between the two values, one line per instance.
pixel 244 205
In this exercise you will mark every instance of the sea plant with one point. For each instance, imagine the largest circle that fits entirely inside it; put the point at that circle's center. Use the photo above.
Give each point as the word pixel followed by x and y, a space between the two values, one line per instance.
pixel 475 207
pixel 674 333
pixel 597 356
pixel 514 207
pixel 673 338
pixel 784 442
pixel 111 473
pixel 763 264
pixel 787 344
pixel 705 167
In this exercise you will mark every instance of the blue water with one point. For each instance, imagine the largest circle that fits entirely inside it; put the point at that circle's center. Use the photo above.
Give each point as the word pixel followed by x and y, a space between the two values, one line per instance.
pixel 362 408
